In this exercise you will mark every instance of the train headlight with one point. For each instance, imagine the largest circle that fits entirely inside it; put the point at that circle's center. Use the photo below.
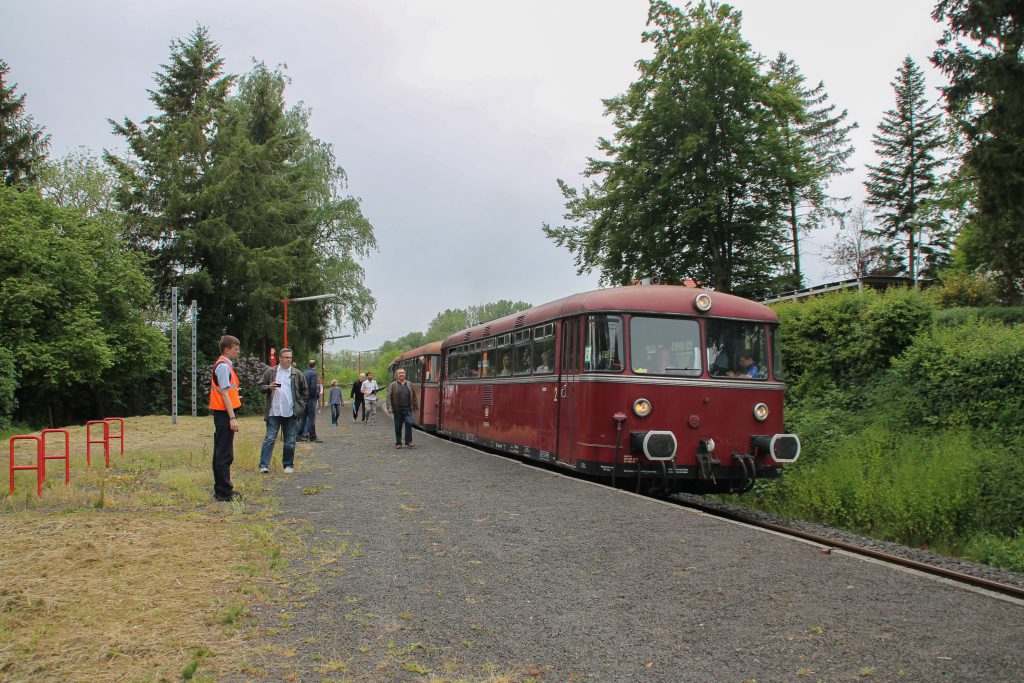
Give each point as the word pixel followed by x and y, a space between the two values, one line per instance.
pixel 641 407
pixel 702 302
pixel 761 412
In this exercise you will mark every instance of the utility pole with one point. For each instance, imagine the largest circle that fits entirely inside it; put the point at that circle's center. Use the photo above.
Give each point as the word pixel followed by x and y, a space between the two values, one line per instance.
pixel 174 355
pixel 195 336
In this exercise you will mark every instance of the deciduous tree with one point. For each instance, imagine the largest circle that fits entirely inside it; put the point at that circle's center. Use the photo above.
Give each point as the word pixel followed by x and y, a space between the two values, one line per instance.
pixel 693 182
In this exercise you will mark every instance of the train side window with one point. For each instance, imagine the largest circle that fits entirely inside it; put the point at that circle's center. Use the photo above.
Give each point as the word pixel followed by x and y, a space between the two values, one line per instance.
pixel 503 356
pixel 522 362
pixel 737 349
pixel 603 349
pixel 544 348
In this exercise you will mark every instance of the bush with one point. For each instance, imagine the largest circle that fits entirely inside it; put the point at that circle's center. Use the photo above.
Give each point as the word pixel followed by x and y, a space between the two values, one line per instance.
pixel 1007 315
pixel 965 289
pixel 970 375
pixel 843 340
pixel 998 551
pixel 8 385
pixel 917 489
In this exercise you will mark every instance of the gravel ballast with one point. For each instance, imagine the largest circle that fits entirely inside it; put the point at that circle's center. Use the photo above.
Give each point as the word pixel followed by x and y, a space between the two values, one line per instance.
pixel 446 562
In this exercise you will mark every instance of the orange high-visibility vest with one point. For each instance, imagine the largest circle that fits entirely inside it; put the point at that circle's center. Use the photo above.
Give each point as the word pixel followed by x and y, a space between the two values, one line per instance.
pixel 216 400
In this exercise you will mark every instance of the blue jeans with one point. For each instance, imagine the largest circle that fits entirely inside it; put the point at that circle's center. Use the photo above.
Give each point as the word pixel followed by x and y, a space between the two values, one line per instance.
pixel 291 431
pixel 335 412
pixel 309 424
pixel 403 417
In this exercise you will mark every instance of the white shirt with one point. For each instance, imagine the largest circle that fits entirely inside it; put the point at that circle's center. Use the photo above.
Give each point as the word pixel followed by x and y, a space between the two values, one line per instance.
pixel 369 389
pixel 282 404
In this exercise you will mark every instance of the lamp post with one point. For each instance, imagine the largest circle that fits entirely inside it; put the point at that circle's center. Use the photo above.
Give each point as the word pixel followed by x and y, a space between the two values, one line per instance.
pixel 916 265
pixel 299 298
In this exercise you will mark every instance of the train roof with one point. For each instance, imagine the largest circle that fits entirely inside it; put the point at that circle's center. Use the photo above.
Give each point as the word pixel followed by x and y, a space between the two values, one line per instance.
pixel 655 299
pixel 431 349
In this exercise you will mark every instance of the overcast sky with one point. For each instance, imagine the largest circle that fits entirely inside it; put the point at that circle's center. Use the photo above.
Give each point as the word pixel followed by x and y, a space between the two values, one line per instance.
pixel 453 118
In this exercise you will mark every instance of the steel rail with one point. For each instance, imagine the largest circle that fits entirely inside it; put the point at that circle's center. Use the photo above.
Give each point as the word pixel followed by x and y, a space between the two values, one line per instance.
pixel 978 582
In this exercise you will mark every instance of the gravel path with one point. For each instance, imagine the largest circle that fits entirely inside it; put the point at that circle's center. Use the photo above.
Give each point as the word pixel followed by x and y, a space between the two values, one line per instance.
pixel 446 563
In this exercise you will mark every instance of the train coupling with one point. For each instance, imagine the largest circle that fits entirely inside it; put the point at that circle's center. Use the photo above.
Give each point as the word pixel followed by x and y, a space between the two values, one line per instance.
pixel 706 459
pixel 780 448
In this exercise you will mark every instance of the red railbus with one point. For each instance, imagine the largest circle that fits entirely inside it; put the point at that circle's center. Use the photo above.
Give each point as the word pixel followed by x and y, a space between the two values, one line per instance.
pixel 679 387
pixel 422 369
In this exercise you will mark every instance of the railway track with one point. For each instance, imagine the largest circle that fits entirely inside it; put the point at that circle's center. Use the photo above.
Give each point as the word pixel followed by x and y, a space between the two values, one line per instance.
pixel 739 515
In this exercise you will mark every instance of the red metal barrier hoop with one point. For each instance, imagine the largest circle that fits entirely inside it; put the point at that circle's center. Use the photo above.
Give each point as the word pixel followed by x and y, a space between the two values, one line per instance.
pixel 120 432
pixel 67 452
pixel 39 467
pixel 89 441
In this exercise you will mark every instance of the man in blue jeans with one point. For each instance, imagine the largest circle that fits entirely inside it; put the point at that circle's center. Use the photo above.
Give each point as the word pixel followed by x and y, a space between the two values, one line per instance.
pixel 401 402
pixel 314 390
pixel 286 402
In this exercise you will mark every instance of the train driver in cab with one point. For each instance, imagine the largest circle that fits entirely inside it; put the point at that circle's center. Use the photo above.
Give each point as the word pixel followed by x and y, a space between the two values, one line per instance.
pixel 749 367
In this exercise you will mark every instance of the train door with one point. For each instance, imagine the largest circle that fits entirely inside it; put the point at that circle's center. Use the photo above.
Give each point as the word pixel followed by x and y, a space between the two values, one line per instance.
pixel 567 389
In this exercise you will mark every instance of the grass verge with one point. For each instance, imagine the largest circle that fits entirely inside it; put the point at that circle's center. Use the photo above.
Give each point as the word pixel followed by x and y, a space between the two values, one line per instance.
pixel 134 573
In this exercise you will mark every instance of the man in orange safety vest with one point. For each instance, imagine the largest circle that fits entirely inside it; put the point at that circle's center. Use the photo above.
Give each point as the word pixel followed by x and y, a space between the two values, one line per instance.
pixel 224 401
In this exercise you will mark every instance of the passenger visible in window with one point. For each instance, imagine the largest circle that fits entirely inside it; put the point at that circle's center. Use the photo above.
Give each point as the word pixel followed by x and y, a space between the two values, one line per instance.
pixel 748 366
pixel 524 366
pixel 506 365
pixel 545 361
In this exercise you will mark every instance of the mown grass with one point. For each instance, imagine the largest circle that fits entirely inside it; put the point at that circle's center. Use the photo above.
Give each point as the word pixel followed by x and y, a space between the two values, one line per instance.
pixel 135 573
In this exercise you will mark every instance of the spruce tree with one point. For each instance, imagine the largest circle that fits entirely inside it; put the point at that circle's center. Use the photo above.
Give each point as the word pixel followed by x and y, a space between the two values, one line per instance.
pixel 817 139
pixel 982 53
pixel 164 175
pixel 909 142
pixel 23 144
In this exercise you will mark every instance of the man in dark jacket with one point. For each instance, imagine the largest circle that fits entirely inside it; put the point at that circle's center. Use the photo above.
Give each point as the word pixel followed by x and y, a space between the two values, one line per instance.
pixel 401 403
pixel 286 392
pixel 313 386
pixel 357 397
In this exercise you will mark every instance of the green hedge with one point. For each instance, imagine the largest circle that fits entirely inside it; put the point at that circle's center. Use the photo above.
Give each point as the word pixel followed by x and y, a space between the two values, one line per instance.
pixel 910 419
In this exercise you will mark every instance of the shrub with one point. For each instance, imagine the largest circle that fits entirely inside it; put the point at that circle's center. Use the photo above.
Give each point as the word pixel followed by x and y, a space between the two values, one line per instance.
pixel 969 375
pixel 1007 315
pixel 965 289
pixel 8 386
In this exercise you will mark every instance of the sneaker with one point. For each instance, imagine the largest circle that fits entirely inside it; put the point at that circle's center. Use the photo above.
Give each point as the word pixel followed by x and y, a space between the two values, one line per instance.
pixel 409 445
pixel 235 495
pixel 264 470
pixel 398 445
pixel 289 470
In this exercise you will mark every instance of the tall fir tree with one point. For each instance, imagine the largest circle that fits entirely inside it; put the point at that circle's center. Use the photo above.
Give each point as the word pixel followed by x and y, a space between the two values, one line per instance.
pixel 817 138
pixel 691 186
pixel 163 177
pixel 286 229
pixel 982 53
pixel 909 142
pixel 23 144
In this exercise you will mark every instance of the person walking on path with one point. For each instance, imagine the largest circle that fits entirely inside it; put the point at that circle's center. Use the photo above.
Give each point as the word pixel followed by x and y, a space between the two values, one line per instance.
pixel 224 401
pixel 357 397
pixel 370 389
pixel 401 402
pixel 315 392
pixel 335 401
pixel 285 388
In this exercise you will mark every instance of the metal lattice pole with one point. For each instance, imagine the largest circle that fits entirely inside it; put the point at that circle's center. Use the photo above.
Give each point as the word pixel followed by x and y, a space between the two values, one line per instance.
pixel 174 355
pixel 195 335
